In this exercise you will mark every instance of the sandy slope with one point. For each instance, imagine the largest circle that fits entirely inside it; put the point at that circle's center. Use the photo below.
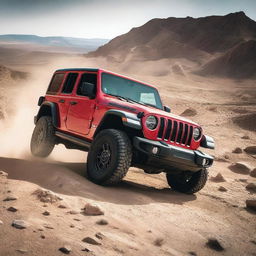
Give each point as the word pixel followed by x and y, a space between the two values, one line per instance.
pixel 142 208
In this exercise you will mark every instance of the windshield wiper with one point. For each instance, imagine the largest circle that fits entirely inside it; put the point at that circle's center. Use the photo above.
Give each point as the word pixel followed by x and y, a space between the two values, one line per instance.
pixel 118 96
pixel 131 100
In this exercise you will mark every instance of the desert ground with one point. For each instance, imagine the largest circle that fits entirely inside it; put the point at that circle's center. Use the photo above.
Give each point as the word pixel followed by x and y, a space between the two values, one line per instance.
pixel 54 200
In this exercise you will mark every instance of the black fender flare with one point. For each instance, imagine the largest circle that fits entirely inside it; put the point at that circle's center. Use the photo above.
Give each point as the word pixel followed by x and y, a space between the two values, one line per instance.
pixel 54 112
pixel 128 119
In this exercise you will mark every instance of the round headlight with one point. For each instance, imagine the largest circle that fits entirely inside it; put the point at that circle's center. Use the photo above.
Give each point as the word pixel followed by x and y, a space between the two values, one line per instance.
pixel 151 122
pixel 196 133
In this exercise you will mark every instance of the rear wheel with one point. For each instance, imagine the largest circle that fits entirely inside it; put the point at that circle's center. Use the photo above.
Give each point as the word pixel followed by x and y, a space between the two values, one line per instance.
pixel 187 182
pixel 109 157
pixel 43 137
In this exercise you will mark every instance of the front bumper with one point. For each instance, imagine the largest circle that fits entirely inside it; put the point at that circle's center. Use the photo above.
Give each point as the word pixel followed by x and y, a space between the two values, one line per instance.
pixel 171 157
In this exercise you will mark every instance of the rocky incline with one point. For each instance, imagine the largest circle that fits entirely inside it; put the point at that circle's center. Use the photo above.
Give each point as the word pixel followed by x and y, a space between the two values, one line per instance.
pixel 196 40
pixel 239 62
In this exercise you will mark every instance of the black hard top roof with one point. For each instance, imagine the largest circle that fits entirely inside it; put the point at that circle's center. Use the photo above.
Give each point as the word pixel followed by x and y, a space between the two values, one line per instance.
pixel 79 69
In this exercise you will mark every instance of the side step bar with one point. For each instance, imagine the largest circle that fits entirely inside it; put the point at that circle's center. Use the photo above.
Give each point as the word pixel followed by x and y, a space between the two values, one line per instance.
pixel 73 139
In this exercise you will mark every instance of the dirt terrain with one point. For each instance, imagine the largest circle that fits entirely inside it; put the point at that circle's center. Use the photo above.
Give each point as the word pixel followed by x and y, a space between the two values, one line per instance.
pixel 47 206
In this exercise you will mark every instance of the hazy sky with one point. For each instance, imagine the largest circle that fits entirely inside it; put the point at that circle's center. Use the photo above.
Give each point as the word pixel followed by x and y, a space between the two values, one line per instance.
pixel 104 18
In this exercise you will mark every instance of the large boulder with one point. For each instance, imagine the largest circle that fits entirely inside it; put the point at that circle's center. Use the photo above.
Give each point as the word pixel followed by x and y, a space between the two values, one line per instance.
pixel 240 167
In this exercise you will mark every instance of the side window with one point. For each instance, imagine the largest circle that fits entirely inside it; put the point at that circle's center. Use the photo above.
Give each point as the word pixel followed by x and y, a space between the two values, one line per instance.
pixel 55 83
pixel 87 78
pixel 69 83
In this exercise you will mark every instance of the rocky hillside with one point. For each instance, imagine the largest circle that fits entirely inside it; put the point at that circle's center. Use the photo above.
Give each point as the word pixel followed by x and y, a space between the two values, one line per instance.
pixel 195 39
pixel 239 62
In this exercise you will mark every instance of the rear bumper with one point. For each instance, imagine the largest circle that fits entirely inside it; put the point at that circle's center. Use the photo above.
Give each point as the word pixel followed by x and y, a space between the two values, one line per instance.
pixel 172 157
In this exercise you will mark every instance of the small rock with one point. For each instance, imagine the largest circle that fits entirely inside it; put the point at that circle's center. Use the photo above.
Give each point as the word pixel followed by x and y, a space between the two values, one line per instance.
pixel 243 180
pixel 251 187
pixel 192 254
pixel 42 236
pixel 220 159
pixel 73 212
pixel 48 226
pixel 85 250
pixel 62 206
pixel 237 150
pixel 4 174
pixel 23 251
pixel 72 225
pixel 214 244
pixel 189 112
pixel 222 189
pixel 253 173
pixel 46 213
pixel 99 235
pixel 226 156
pixel 240 167
pixel 253 241
pixel 102 222
pixel 76 219
pixel 250 150
pixel 218 178
pixel 90 240
pixel 12 209
pixel 92 210
pixel 159 242
pixel 46 196
pixel 10 198
pixel 20 224
pixel 251 204
pixel 245 137
pixel 65 249
pixel 9 191
pixel 1 223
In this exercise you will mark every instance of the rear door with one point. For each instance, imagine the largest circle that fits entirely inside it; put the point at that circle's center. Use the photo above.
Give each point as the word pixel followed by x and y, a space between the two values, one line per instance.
pixel 53 91
pixel 81 107
pixel 65 96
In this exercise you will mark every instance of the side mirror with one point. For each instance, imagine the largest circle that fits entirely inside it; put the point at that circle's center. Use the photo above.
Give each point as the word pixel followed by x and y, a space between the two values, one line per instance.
pixel 167 109
pixel 88 89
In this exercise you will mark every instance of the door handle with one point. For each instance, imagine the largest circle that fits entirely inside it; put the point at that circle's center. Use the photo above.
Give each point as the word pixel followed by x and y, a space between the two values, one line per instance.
pixel 73 102
pixel 61 101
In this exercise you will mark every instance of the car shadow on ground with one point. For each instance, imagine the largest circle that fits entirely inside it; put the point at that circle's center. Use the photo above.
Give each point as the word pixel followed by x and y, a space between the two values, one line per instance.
pixel 69 179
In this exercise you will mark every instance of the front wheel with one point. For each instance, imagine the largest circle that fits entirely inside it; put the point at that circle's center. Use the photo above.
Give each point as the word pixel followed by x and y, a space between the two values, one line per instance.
pixel 109 157
pixel 187 182
pixel 43 138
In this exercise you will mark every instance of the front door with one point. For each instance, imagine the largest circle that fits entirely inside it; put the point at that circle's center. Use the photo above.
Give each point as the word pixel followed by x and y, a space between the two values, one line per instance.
pixel 81 107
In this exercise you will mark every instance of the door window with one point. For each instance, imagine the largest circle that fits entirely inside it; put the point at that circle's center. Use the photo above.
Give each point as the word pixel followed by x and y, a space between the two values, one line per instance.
pixel 55 83
pixel 88 78
pixel 69 83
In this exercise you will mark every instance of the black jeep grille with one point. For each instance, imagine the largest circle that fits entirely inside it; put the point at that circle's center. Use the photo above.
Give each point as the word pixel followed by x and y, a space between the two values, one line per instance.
pixel 175 132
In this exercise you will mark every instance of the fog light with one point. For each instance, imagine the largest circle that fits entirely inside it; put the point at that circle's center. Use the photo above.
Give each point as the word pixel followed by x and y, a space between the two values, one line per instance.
pixel 204 162
pixel 155 150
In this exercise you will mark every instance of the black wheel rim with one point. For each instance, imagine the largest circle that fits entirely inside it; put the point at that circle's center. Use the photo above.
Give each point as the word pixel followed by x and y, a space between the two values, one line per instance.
pixel 103 157
pixel 184 178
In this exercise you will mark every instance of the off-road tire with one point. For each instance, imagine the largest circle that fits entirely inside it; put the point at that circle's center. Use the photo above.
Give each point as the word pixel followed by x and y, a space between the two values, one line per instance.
pixel 182 183
pixel 43 137
pixel 113 169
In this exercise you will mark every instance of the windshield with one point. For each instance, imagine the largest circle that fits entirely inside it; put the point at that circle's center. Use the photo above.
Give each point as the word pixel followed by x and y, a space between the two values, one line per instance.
pixel 128 89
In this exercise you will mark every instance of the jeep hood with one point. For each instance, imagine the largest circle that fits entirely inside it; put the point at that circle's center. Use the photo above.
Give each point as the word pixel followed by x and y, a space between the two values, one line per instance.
pixel 136 108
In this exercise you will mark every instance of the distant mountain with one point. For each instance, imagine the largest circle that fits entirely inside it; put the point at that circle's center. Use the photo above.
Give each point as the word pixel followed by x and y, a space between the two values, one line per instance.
pixel 239 62
pixel 195 39
pixel 51 43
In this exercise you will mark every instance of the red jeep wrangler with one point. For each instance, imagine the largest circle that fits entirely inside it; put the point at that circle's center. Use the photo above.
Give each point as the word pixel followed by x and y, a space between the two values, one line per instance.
pixel 122 123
